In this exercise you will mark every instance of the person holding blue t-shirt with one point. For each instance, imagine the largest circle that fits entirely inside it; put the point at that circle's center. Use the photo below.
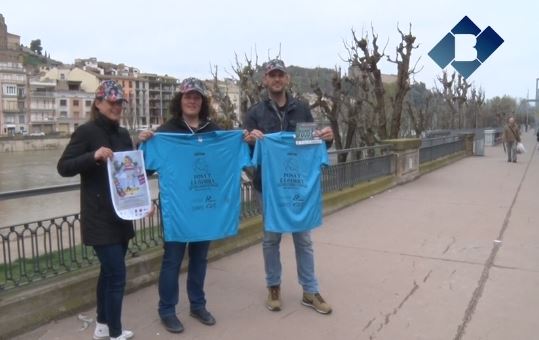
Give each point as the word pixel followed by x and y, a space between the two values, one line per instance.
pixel 190 115
pixel 281 112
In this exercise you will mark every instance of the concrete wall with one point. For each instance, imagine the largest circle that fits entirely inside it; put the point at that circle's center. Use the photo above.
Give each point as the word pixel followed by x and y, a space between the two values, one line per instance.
pixel 29 307
pixel 32 144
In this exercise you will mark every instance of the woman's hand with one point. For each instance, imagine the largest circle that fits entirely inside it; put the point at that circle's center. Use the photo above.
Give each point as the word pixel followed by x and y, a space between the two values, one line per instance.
pixel 252 136
pixel 102 154
pixel 145 135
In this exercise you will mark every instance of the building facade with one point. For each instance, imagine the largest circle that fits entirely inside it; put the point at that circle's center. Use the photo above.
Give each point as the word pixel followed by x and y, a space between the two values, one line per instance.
pixel 42 106
pixel 14 100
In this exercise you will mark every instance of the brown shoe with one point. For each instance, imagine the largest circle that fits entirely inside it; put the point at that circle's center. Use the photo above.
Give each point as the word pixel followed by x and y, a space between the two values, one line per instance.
pixel 316 302
pixel 273 303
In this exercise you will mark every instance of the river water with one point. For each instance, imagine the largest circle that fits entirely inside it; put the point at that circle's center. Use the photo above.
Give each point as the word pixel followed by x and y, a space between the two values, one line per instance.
pixel 37 169
pixel 30 169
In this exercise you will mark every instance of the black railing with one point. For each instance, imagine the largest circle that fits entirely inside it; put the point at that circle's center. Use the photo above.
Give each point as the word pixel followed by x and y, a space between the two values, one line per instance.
pixel 434 148
pixel 46 248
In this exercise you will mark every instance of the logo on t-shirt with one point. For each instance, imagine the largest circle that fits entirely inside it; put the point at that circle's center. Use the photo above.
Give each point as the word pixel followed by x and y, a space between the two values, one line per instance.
pixel 202 177
pixel 291 176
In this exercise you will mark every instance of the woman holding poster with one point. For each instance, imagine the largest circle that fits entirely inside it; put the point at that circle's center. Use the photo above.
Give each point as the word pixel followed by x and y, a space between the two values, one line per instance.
pixel 91 145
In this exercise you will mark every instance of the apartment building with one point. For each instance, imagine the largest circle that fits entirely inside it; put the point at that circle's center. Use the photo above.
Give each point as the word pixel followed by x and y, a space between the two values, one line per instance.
pixel 161 89
pixel 14 116
pixel 42 106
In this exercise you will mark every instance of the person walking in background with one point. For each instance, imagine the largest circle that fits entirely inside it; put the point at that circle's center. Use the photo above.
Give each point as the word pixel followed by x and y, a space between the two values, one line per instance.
pixel 86 155
pixel 281 112
pixel 511 136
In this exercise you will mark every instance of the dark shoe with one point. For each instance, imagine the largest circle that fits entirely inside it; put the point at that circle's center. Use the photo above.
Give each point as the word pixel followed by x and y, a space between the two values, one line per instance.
pixel 172 324
pixel 515 161
pixel 203 316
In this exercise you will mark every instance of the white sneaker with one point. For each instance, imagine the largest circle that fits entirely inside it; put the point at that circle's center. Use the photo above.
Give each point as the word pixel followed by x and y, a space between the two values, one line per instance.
pixel 102 332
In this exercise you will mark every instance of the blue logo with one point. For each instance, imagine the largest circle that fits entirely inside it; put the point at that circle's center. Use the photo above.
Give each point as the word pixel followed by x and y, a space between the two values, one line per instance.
pixel 486 42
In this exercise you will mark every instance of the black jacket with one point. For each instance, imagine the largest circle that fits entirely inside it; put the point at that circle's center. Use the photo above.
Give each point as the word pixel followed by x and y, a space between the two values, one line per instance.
pixel 176 124
pixel 99 223
pixel 265 117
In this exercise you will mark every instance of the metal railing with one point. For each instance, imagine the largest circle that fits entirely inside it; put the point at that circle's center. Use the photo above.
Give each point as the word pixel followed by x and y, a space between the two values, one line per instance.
pixel 42 249
pixel 434 148
pixel 362 164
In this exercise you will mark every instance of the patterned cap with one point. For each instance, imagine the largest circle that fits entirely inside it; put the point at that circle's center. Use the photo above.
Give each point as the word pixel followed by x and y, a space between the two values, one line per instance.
pixel 275 64
pixel 109 90
pixel 193 84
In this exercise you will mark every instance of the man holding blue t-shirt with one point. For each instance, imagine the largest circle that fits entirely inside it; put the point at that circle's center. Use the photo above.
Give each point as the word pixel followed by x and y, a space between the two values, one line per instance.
pixel 281 112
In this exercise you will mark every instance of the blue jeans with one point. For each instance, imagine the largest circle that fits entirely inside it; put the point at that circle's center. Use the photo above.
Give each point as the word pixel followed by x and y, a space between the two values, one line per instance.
pixel 111 285
pixel 304 260
pixel 511 151
pixel 170 272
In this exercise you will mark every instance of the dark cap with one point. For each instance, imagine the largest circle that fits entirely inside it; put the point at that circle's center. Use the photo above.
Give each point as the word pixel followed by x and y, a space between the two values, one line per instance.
pixel 193 84
pixel 275 64
pixel 109 90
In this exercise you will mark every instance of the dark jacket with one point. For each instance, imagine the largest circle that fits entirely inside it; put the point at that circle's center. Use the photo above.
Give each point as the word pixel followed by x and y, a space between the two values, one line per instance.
pixel 176 124
pixel 99 223
pixel 265 117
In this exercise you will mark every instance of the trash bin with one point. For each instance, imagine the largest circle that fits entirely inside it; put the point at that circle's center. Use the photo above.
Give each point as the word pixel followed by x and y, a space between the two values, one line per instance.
pixel 490 137
pixel 479 147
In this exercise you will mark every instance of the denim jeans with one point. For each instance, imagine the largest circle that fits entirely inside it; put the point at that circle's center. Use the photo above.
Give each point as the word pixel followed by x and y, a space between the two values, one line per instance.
pixel 110 286
pixel 170 272
pixel 511 151
pixel 304 260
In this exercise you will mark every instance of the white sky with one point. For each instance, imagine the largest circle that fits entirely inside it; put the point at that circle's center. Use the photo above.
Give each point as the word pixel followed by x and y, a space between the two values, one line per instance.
pixel 181 38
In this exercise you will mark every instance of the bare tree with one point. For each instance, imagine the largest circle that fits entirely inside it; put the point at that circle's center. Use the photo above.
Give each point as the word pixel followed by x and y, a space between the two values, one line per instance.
pixel 250 87
pixel 228 118
pixel 331 106
pixel 364 65
pixel 455 94
pixel 475 104
pixel 402 59
pixel 421 116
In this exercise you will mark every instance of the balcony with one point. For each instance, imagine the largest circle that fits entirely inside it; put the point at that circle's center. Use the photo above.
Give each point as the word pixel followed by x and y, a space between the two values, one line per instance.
pixel 42 95
pixel 14 110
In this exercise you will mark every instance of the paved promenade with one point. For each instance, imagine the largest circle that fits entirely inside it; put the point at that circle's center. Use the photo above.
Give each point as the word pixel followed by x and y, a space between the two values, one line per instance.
pixel 452 255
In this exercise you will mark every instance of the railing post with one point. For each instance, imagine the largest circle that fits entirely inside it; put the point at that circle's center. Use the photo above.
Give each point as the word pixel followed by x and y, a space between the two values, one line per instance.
pixel 407 158
pixel 468 143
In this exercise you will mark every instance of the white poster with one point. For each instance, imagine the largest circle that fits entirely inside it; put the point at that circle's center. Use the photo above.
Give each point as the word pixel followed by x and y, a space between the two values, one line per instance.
pixel 129 185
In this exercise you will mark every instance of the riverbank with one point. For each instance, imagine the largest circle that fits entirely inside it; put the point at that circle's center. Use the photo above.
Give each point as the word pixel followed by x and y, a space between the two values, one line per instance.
pixel 32 143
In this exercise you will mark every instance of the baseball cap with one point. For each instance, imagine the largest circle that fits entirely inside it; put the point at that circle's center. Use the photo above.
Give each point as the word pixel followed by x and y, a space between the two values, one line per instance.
pixel 275 64
pixel 109 90
pixel 193 84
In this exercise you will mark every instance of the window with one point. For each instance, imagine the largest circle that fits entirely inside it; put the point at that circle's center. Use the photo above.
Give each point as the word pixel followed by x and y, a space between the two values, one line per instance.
pixel 75 102
pixel 63 102
pixel 63 114
pixel 10 90
pixel 62 76
pixel 21 119
pixel 88 103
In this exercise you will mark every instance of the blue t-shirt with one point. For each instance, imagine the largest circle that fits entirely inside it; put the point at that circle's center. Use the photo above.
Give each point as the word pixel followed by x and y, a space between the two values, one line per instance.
pixel 199 182
pixel 291 187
